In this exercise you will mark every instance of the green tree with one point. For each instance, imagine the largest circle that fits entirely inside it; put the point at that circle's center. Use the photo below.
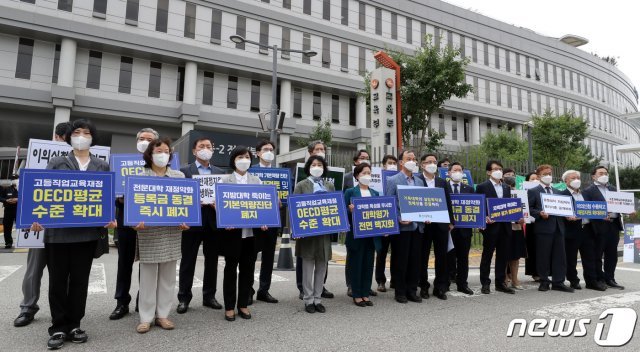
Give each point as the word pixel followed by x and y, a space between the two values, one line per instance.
pixel 504 145
pixel 629 177
pixel 558 140
pixel 321 131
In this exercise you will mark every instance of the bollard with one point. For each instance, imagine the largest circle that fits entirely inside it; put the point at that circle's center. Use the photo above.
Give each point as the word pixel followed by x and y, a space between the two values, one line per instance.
pixel 285 255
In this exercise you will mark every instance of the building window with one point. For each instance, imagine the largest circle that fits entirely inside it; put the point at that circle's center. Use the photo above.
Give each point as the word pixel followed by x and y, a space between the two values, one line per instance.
pixel 450 39
pixel 486 54
pixel 207 89
pixel 297 102
pixel 126 72
pixel 466 130
pixel 362 16
pixel 241 30
pixel 519 99
pixel 255 95
pixel 517 63
pixel 488 127
pixel 352 111
pixel 326 53
pixel 409 30
pixel 286 42
pixel 131 17
pixel 216 26
pixel 335 109
pixel 306 7
pixel 344 57
pixel 529 107
pixel 306 45
pixel 436 38
pixel 394 25
pixel 362 61
pixel 423 34
pixel 317 107
pixel 555 76
pixel 536 71
pixel 93 73
pixel 487 91
pixel 180 84
pixel 155 76
pixel 441 128
pixel 25 57
pixel 162 16
pixel 526 65
pixel 286 4
pixel 509 101
pixel 476 89
pixel 496 57
pixel 454 128
pixel 564 81
pixel 65 5
pixel 463 51
pixel 29 1
pixel 190 21
pixel 264 38
pixel 570 80
pixel 546 73
pixel 344 13
pixel 498 94
pixel 474 50
pixel 378 21
pixel 56 64
pixel 232 93
pixel 507 59
pixel 99 8
pixel 326 10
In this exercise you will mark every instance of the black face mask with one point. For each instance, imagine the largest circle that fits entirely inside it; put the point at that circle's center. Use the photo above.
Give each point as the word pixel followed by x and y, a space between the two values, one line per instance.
pixel 509 180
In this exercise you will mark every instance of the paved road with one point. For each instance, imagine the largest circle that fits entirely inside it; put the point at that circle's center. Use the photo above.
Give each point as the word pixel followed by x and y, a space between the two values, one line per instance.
pixel 478 322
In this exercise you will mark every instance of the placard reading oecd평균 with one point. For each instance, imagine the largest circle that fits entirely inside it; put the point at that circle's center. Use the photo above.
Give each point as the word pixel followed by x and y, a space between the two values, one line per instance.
pixel 317 214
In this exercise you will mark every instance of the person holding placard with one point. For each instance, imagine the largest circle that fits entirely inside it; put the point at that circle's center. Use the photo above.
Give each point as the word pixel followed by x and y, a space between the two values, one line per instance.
pixel 70 251
pixel 361 251
pixel 389 162
pixel 314 251
pixel 579 237
pixel 406 246
pixel 208 235
pixel 517 244
pixel 158 249
pixel 550 232
pixel 530 264
pixel 239 245
pixel 125 238
pixel 607 231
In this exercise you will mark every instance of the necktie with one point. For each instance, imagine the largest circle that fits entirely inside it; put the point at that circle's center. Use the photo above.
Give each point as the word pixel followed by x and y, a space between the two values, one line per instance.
pixel 548 189
pixel 455 189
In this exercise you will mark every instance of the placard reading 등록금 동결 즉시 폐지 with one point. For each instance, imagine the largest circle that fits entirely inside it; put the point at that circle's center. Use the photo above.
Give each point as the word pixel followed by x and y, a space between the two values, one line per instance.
pixel 468 210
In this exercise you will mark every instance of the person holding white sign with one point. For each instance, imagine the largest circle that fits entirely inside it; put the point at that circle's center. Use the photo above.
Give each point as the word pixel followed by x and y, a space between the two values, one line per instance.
pixel 530 264
pixel 607 231
pixel 550 231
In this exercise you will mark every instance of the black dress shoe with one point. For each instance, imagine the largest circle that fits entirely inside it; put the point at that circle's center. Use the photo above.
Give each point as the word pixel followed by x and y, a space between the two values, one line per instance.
pixel 401 299
pixel 465 289
pixel 544 286
pixel 212 303
pixel 505 289
pixel 368 303
pixel 266 297
pixel 372 293
pixel 485 289
pixel 562 288
pixel 441 295
pixel 120 311
pixel 182 307
pixel 77 335
pixel 301 295
pixel 424 293
pixel 56 340
pixel 414 298
pixel 382 288
pixel 598 286
pixel 359 304
pixel 349 292
pixel 9 246
pixel 326 293
pixel 23 319
pixel 614 284
pixel 320 308
pixel 392 285
pixel 244 315
pixel 230 317
pixel 310 308
pixel 576 285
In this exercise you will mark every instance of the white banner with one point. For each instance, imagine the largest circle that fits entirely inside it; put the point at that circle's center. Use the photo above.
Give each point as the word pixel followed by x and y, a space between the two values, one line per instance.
pixel 522 194
pixel 529 184
pixel 30 239
pixel 376 179
pixel 620 202
pixel 41 151
pixel 558 205
pixel 208 187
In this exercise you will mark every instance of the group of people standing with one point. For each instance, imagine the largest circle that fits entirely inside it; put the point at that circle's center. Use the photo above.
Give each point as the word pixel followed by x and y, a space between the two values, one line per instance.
pixel 69 252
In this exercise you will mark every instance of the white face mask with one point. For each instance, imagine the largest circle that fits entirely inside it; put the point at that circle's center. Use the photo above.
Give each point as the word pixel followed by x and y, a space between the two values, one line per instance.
pixel 546 179
pixel 142 146
pixel 268 156
pixel 431 168
pixel 410 165
pixel 243 164
pixel 160 159
pixel 392 167
pixel 321 154
pixel 204 154
pixel 316 171
pixel 603 180
pixel 456 176
pixel 497 175
pixel 80 142
pixel 364 161
pixel 365 179
pixel 575 184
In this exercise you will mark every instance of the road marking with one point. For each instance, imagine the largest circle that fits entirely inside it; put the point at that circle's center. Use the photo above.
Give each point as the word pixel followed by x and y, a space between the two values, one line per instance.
pixel 587 307
pixel 628 269
pixel 196 282
pixel 6 271
pixel 97 279
pixel 274 277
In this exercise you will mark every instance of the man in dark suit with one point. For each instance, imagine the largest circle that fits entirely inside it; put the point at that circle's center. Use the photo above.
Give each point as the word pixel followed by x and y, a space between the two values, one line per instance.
pixel 389 162
pixel 495 237
pixel 9 200
pixel 550 232
pixel 461 237
pixel 435 233
pixel 406 246
pixel 265 241
pixel 207 234
pixel 579 237
pixel 607 231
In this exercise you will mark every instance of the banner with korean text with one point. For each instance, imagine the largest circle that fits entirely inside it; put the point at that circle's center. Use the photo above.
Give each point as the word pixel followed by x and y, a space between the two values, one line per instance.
pixel 124 165
pixel 619 202
pixel 591 210
pixel 41 151
pixel 374 216
pixel 247 206
pixel 557 205
pixel 279 177
pixel 468 210
pixel 504 209
pixel 208 187
pixel 423 204
pixel 317 214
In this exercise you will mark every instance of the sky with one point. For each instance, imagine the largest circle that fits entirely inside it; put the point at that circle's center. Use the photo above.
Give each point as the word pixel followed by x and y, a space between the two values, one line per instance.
pixel 608 25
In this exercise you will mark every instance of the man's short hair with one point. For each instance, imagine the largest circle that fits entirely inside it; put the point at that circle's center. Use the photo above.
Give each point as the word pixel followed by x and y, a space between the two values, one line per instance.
pixel 149 130
pixel 569 172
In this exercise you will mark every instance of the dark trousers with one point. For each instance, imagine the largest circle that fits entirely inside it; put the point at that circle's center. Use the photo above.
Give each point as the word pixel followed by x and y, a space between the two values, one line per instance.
pixel 266 243
pixel 407 262
pixel 530 264
pixel 433 235
pixel 126 256
pixel 381 259
pixel 585 245
pixel 462 244
pixel 494 242
pixel 69 267
pixel 606 244
pixel 211 248
pixel 7 223
pixel 551 257
pixel 347 270
pixel 239 256
pixel 299 274
pixel 361 267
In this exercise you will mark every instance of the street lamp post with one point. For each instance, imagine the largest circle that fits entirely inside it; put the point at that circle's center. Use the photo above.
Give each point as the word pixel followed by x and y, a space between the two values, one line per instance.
pixel 274 80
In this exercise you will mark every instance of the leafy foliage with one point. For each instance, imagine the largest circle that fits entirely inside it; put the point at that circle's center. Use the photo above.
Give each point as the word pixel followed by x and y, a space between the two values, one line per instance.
pixel 504 145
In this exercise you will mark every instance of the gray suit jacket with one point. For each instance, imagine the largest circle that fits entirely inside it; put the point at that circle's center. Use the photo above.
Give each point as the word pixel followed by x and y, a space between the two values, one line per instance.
pixel 400 179
pixel 75 234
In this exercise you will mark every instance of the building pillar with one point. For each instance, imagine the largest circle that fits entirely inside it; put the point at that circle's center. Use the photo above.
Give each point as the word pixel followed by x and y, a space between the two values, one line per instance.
pixel 62 114
pixel 518 129
pixel 67 65
pixel 475 130
pixel 361 112
pixel 190 82
pixel 284 147
pixel 187 126
pixel 360 146
pixel 285 98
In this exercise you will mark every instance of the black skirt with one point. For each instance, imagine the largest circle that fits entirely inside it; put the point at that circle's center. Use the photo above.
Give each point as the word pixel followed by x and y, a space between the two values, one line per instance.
pixel 518 246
